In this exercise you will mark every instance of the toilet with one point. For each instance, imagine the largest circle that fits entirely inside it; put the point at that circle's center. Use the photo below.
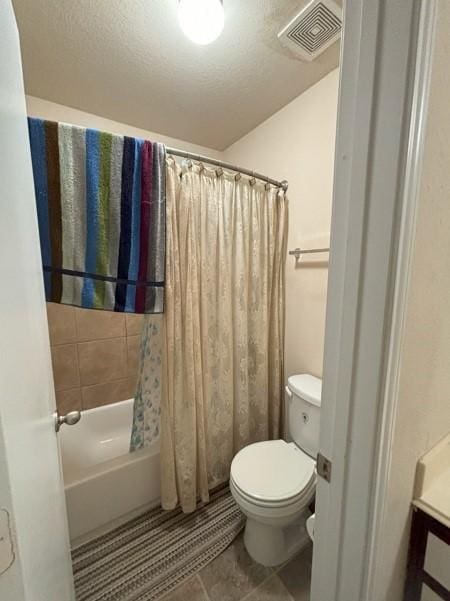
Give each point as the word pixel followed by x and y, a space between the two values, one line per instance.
pixel 274 481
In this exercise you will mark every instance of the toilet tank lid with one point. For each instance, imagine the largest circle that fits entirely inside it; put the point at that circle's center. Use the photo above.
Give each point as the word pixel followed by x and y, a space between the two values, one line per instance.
pixel 307 387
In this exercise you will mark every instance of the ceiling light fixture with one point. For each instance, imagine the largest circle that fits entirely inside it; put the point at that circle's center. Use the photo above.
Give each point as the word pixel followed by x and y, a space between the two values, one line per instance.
pixel 202 21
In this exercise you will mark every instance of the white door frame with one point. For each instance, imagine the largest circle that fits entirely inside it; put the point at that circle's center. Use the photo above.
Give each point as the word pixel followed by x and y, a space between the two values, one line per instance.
pixel 383 88
pixel 411 189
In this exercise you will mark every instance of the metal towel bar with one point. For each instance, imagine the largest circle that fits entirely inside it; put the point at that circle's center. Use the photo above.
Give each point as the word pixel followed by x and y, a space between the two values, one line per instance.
pixel 298 252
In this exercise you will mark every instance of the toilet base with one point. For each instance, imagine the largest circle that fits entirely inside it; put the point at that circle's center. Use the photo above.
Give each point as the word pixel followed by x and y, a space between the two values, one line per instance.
pixel 271 546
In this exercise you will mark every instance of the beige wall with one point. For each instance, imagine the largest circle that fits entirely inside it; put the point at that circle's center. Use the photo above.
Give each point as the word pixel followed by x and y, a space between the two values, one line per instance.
pixel 297 144
pixel 45 109
pixel 94 355
pixel 423 415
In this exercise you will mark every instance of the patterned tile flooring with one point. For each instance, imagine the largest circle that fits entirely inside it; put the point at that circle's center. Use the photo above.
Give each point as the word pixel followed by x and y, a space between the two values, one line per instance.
pixel 234 576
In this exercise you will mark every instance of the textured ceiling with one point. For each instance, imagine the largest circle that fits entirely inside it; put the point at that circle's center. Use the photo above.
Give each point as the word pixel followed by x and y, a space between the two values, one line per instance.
pixel 127 60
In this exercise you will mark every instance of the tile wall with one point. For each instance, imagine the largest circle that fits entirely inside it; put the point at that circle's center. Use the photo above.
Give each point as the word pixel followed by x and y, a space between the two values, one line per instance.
pixel 94 356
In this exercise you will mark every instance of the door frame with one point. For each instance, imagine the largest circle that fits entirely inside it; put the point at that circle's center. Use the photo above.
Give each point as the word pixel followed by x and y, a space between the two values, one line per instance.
pixel 384 81
pixel 411 190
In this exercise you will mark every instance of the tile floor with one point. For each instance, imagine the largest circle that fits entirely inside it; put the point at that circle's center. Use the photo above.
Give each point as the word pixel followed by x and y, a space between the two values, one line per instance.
pixel 234 576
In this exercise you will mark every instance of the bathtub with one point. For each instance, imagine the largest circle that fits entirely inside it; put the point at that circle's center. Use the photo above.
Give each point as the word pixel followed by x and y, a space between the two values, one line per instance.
pixel 105 483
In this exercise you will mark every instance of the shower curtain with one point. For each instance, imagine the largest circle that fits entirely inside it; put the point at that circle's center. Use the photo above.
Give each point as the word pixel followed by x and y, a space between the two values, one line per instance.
pixel 223 327
pixel 147 400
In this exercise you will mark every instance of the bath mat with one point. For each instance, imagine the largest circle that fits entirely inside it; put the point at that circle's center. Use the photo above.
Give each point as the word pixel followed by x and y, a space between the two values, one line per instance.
pixel 149 556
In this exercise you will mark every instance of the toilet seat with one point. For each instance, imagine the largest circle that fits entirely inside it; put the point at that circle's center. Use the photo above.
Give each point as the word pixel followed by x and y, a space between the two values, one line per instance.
pixel 292 505
pixel 273 473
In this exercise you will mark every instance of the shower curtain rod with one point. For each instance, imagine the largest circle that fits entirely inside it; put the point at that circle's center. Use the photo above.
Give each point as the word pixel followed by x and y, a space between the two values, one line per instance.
pixel 202 159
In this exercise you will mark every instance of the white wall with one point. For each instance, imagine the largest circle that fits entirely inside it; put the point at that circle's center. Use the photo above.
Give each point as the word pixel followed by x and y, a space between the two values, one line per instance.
pixel 423 414
pixel 57 112
pixel 297 144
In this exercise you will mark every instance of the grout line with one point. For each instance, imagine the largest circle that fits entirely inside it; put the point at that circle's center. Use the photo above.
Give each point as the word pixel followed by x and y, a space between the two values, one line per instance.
pixel 275 572
pixel 299 552
pixel 285 587
pixel 259 586
pixel 78 367
pixel 105 382
pixel 203 586
pixel 75 320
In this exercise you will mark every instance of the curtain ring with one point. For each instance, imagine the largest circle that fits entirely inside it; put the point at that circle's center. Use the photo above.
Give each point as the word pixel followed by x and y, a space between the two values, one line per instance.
pixel 219 172
pixel 201 167
pixel 237 177
pixel 189 163
pixel 267 186
pixel 252 181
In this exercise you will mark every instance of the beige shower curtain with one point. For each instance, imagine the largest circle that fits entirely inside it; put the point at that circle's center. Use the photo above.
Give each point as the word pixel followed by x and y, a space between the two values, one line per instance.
pixel 222 384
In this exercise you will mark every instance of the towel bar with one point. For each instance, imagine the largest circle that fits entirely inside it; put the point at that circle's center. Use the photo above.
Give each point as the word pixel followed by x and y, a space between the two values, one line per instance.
pixel 298 252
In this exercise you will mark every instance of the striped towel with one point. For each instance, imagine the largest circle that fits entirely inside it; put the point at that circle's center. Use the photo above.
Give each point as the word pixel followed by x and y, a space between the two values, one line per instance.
pixel 101 212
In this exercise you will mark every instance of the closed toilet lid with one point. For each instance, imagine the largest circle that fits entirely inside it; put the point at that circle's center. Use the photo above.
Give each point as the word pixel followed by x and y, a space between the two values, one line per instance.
pixel 273 470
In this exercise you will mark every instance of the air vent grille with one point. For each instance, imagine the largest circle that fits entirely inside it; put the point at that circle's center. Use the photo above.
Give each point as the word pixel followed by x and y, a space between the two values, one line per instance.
pixel 314 29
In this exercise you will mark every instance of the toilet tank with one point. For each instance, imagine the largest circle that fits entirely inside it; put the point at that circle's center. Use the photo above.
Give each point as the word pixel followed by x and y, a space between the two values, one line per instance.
pixel 303 399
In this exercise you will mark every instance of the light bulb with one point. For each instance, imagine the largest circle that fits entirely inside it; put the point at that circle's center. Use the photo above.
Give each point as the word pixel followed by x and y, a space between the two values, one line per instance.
pixel 202 21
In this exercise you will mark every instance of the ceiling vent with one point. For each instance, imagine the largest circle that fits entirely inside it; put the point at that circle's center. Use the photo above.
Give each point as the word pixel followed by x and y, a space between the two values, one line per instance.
pixel 314 29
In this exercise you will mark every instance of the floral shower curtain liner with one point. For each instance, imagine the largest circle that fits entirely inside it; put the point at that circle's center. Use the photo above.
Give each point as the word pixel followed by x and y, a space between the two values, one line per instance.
pixel 223 327
pixel 147 401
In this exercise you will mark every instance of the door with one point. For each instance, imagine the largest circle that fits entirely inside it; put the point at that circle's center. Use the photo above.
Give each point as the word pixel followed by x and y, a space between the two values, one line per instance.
pixel 34 544
pixel 376 150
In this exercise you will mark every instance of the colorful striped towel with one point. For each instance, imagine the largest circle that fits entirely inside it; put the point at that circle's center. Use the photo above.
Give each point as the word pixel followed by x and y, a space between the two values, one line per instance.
pixel 101 212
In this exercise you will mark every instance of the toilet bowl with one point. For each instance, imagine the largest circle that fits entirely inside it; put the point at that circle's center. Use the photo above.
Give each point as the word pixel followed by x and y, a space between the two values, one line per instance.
pixel 274 481
pixel 310 522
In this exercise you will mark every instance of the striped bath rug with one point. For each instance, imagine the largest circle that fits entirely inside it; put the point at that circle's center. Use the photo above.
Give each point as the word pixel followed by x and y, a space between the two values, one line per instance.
pixel 149 556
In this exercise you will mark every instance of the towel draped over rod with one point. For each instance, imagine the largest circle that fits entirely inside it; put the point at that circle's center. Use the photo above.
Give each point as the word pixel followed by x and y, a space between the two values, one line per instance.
pixel 100 200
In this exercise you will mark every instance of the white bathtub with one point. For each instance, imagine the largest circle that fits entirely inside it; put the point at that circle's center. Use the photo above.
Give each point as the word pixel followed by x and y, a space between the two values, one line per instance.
pixel 104 482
